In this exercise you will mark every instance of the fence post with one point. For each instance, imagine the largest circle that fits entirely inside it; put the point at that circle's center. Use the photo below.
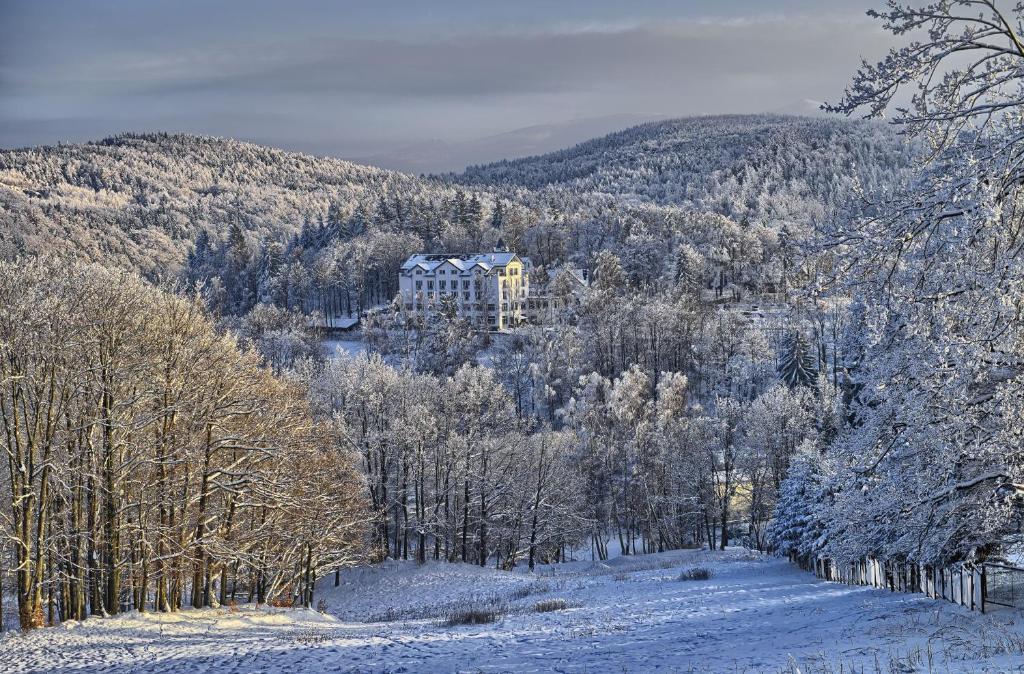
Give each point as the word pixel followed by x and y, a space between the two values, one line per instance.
pixel 978 582
pixel 984 588
pixel 970 584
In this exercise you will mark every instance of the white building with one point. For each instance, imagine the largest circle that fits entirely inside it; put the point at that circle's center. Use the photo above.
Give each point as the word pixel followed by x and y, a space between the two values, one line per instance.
pixel 490 289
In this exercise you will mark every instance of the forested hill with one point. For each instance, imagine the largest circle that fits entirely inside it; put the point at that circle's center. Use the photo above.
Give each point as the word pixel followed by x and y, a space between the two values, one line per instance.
pixel 260 225
pixel 142 200
pixel 745 167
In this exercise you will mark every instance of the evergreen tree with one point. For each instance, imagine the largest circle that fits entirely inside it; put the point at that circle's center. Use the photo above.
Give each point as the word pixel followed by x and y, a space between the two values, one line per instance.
pixel 200 256
pixel 498 215
pixel 238 249
pixel 474 212
pixel 458 207
pixel 798 366
pixel 796 529
pixel 336 224
pixel 356 224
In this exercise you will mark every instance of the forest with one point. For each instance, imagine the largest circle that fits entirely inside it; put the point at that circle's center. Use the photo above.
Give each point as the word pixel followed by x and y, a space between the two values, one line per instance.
pixel 800 335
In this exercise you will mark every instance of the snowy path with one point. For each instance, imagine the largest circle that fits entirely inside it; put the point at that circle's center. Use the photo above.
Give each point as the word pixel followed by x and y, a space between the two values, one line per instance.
pixel 630 615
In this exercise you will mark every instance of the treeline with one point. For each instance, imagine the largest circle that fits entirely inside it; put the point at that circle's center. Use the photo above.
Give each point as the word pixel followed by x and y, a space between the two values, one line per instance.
pixel 150 463
pixel 466 467
pixel 751 168
pixel 347 259
pixel 322 236
pixel 140 201
pixel 930 470
pixel 452 473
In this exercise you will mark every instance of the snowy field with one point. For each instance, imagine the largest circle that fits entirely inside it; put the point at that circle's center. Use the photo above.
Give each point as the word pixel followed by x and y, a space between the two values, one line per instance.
pixel 343 348
pixel 629 615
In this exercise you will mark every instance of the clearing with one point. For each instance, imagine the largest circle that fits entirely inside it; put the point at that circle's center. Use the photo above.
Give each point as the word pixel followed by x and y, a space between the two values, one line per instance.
pixel 631 614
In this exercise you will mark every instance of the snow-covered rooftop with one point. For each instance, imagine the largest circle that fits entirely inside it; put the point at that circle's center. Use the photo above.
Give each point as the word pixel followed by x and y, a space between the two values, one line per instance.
pixel 430 262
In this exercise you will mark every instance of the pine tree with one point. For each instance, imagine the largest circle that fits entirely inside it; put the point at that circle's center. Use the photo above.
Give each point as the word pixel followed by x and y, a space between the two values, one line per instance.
pixel 458 207
pixel 797 366
pixel 335 221
pixel 795 529
pixel 498 215
pixel 238 249
pixel 356 224
pixel 474 211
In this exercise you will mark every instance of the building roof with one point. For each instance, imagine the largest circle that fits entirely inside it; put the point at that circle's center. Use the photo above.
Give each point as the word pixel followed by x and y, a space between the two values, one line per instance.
pixel 430 262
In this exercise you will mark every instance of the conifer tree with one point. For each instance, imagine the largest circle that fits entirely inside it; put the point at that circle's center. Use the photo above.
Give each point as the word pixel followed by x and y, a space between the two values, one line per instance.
pixel 797 366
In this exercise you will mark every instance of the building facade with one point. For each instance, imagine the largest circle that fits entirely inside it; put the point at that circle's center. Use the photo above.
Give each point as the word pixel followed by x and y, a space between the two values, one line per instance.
pixel 488 289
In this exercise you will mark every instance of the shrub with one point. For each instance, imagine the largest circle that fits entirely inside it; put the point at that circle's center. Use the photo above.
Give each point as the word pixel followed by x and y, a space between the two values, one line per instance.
pixel 282 602
pixel 474 615
pixel 695 573
pixel 312 637
pixel 321 606
pixel 523 591
pixel 549 605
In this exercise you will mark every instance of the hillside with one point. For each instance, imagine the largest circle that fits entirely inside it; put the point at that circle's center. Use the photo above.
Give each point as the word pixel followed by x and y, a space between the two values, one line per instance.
pixel 141 200
pixel 260 225
pixel 754 614
pixel 754 167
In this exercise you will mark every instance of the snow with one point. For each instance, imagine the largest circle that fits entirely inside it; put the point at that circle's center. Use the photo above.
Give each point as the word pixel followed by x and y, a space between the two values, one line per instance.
pixel 338 348
pixel 629 614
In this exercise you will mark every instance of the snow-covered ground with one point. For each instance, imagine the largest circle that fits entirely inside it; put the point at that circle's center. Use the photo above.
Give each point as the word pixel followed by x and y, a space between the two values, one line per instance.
pixel 338 348
pixel 629 615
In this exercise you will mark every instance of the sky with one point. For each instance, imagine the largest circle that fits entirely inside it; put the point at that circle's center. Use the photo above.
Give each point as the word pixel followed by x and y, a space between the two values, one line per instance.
pixel 413 84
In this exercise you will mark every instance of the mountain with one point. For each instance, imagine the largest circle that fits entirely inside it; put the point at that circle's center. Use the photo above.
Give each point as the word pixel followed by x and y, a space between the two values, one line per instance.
pixel 436 156
pixel 141 200
pixel 144 201
pixel 764 167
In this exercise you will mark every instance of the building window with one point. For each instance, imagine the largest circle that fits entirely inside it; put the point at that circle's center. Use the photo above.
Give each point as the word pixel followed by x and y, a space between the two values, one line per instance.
pixel 430 285
pixel 419 285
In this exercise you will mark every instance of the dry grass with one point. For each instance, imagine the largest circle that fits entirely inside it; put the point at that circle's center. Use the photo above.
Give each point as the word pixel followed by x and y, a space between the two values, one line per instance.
pixel 695 573
pixel 474 615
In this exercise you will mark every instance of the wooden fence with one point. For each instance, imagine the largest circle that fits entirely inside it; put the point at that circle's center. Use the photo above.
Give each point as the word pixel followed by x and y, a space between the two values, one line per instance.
pixel 962 584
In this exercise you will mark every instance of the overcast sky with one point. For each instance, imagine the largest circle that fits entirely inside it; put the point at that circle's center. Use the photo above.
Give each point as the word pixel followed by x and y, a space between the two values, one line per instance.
pixel 357 79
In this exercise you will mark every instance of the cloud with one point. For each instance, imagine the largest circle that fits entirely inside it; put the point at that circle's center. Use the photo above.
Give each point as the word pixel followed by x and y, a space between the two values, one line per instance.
pixel 455 85
pixel 592 58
